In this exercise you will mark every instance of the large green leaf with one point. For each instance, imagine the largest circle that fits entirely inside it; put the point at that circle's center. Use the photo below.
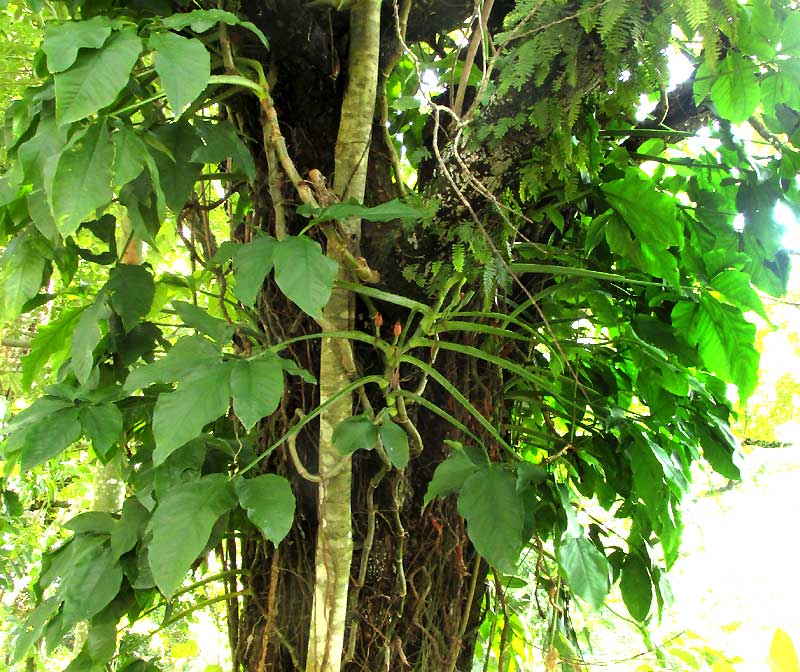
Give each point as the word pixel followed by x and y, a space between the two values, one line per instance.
pixel 102 423
pixel 395 442
pixel 63 40
pixel 201 20
pixel 449 476
pixel 355 433
pixel 636 587
pixel 86 336
pixel 132 291
pixel 782 87
pixel 720 447
pixel 130 527
pixel 49 437
pixel 494 514
pixel 82 181
pixel 220 142
pixel 101 641
pixel 182 525
pixel 96 78
pixel 736 288
pixel 38 410
pixel 198 318
pixel 270 504
pixel 585 570
pixel 22 269
pixel 181 415
pixel 177 171
pixel 304 273
pixel 51 340
pixel 130 156
pixel 93 578
pixel 735 91
pixel 251 264
pixel 189 356
pixel 385 212
pixel 723 338
pixel 650 214
pixel 32 629
pixel 183 65
pixel 256 387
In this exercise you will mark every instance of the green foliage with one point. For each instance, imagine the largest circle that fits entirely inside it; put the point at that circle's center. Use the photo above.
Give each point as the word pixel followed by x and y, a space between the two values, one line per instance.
pixel 182 525
pixel 269 502
pixel 354 434
pixel 592 312
pixel 494 512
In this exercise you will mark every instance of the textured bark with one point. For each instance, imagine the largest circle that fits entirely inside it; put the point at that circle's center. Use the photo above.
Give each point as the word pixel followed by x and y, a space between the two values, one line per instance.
pixel 334 538
pixel 415 586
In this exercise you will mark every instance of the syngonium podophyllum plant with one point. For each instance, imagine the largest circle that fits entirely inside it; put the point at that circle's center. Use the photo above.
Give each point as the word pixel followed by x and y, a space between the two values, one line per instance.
pixel 366 302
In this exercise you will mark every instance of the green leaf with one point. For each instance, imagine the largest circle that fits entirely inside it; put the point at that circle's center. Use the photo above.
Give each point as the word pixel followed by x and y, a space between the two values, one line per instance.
pixel 82 182
pixel 395 442
pixel 530 474
pixel 201 20
pixel 51 340
pixel 181 415
pixel 102 423
pixel 735 91
pixel 406 103
pixel 449 476
pixel 355 433
pixel 85 338
pixel 32 629
pixel 736 288
pixel 97 77
pixel 251 264
pixel 585 570
pixel 182 525
pixel 781 87
pixel 494 514
pixel 63 40
pixel 221 141
pixel 636 587
pixel 256 387
pixel 197 318
pixel 130 527
pixel 22 269
pixel 293 369
pixel 651 215
pixel 177 172
pixel 132 292
pixel 130 156
pixel 37 411
pixel 189 355
pixel 721 448
pixel 304 273
pixel 49 437
pixel 101 641
pixel 91 522
pixel 385 212
pixel 723 338
pixel 269 503
pixel 184 65
pixel 92 580
pixel 790 35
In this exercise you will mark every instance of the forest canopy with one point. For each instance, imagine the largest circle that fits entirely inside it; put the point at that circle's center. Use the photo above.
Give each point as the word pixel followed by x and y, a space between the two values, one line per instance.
pixel 369 314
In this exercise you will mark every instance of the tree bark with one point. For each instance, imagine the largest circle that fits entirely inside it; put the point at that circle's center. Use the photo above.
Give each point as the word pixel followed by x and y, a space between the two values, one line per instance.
pixel 415 586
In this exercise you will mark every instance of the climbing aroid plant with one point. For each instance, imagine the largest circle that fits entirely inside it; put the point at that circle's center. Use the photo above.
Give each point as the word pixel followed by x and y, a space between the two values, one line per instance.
pixel 379 307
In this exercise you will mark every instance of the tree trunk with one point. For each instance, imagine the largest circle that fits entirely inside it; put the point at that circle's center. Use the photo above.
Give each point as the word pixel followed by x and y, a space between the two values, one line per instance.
pixel 415 584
